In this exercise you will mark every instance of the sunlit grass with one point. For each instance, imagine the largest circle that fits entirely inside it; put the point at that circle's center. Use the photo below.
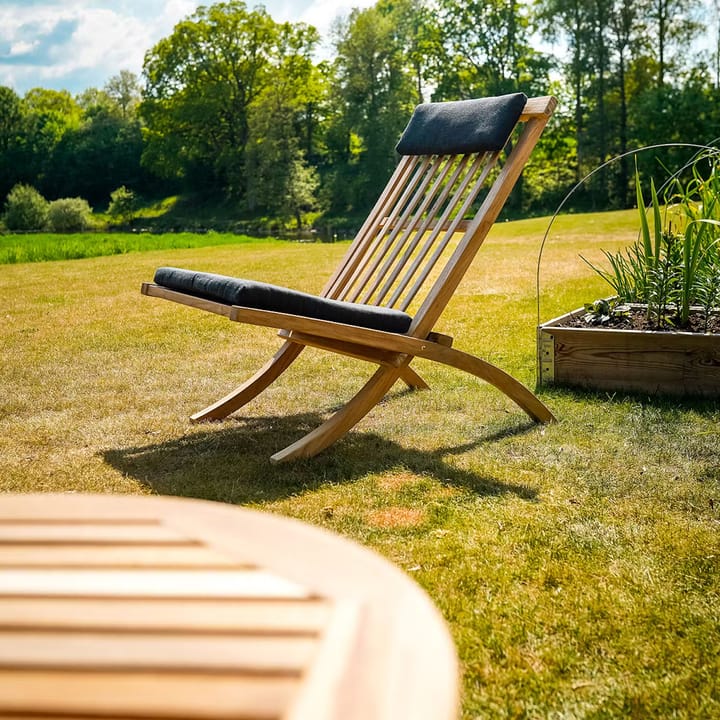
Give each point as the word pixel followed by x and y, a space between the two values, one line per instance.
pixel 41 247
pixel 577 564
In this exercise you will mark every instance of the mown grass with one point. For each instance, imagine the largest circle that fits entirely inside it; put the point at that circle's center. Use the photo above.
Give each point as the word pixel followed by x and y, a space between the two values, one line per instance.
pixel 41 247
pixel 577 564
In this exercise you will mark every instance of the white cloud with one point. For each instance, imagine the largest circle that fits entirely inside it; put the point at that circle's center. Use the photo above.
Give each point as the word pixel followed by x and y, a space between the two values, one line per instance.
pixel 22 47
pixel 81 42
pixel 76 44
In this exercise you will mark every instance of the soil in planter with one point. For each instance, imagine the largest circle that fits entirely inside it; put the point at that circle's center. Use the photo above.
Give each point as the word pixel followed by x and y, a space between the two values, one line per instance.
pixel 636 319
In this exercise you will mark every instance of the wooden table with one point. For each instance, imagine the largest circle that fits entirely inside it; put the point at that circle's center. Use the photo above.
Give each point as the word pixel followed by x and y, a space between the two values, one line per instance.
pixel 155 607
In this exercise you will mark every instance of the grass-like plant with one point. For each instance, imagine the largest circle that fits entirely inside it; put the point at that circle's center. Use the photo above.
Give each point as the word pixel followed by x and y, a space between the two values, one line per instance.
pixel 673 265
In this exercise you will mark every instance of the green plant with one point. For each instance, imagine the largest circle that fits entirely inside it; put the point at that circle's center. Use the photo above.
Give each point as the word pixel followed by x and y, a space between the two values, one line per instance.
pixel 123 203
pixel 25 209
pixel 601 312
pixel 671 265
pixel 68 215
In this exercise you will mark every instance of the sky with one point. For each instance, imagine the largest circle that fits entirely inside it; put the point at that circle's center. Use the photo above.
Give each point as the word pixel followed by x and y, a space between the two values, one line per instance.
pixel 77 44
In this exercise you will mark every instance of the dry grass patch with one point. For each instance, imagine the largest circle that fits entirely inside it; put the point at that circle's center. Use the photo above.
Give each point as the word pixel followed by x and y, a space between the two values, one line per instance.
pixel 396 517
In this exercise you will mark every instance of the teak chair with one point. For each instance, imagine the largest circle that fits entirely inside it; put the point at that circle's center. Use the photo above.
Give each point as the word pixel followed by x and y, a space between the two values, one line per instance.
pixel 385 297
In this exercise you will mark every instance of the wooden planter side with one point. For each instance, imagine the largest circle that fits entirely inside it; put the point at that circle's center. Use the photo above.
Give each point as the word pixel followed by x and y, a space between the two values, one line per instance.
pixel 666 363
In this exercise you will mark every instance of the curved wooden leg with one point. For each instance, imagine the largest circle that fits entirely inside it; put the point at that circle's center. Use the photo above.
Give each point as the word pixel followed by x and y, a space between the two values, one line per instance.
pixel 412 379
pixel 514 389
pixel 251 387
pixel 349 415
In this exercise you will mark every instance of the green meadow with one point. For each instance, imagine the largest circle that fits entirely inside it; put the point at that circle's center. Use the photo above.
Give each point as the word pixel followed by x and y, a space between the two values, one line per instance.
pixel 577 564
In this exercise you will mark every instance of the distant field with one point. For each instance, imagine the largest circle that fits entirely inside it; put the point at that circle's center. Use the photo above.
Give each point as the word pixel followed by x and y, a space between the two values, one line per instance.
pixel 47 246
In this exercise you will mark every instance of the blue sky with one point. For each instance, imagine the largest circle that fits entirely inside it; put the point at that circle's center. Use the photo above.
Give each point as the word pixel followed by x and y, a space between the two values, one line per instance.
pixel 76 44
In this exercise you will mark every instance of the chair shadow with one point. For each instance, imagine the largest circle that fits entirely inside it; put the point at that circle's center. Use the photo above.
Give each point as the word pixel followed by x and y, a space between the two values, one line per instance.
pixel 231 464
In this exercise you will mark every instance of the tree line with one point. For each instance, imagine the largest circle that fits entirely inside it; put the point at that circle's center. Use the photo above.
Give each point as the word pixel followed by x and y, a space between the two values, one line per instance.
pixel 235 106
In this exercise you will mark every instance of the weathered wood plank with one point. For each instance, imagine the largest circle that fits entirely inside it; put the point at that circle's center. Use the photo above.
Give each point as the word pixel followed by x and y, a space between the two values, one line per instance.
pixel 665 363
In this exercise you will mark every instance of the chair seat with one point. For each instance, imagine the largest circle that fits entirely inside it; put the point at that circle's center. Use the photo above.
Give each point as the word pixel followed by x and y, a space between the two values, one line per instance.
pixel 264 296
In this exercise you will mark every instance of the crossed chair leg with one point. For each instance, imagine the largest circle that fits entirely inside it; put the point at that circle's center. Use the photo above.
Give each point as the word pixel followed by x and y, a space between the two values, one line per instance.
pixel 371 393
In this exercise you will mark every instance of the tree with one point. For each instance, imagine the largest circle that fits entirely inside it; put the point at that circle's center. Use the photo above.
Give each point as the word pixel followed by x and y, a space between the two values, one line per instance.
pixel 67 215
pixel 627 33
pixel 12 126
pixel 300 194
pixel 570 22
pixel 123 202
pixel 488 50
pixel 50 115
pixel 281 123
pixel 97 157
pixel 373 94
pixel 199 85
pixel 672 25
pixel 124 89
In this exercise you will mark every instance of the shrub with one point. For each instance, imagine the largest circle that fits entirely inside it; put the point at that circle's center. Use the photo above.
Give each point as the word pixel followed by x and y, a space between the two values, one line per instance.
pixel 122 204
pixel 69 215
pixel 25 209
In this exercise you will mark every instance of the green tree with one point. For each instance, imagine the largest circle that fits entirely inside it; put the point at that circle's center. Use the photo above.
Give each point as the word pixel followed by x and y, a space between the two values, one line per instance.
pixel 123 203
pixel 51 114
pixel 125 90
pixel 373 95
pixel 570 22
pixel 199 85
pixel 12 127
pixel 281 122
pixel 672 25
pixel 488 50
pixel 67 215
pixel 92 160
pixel 300 190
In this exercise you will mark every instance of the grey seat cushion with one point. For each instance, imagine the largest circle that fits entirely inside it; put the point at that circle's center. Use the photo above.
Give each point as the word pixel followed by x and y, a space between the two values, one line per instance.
pixel 263 296
pixel 461 126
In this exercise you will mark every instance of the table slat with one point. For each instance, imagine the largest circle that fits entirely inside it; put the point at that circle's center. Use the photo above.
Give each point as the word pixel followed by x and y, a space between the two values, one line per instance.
pixel 273 654
pixel 92 533
pixel 197 615
pixel 143 695
pixel 148 583
pixel 113 556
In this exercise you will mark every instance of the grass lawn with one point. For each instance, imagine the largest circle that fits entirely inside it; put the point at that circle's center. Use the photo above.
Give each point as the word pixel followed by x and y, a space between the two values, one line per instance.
pixel 577 564
pixel 40 247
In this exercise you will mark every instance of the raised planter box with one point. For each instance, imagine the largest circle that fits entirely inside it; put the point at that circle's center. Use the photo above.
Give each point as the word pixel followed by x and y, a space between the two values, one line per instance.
pixel 656 363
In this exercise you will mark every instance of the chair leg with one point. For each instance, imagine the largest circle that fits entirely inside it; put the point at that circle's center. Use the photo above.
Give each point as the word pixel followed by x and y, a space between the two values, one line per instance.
pixel 253 386
pixel 412 379
pixel 514 389
pixel 348 416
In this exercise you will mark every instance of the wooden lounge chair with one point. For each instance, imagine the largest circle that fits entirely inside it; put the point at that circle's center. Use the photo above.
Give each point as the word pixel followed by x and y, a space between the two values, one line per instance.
pixel 400 272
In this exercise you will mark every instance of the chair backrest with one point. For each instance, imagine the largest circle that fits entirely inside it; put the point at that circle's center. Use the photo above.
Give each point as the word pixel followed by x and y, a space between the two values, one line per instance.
pixel 417 242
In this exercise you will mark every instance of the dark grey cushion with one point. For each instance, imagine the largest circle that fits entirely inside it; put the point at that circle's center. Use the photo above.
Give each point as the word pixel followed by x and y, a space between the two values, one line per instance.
pixel 262 296
pixel 462 126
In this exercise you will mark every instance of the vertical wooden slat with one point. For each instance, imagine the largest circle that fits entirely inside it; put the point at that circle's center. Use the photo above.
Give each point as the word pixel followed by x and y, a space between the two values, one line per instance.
pixel 413 231
pixel 469 192
pixel 437 196
pixel 362 243
pixel 385 228
pixel 374 277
